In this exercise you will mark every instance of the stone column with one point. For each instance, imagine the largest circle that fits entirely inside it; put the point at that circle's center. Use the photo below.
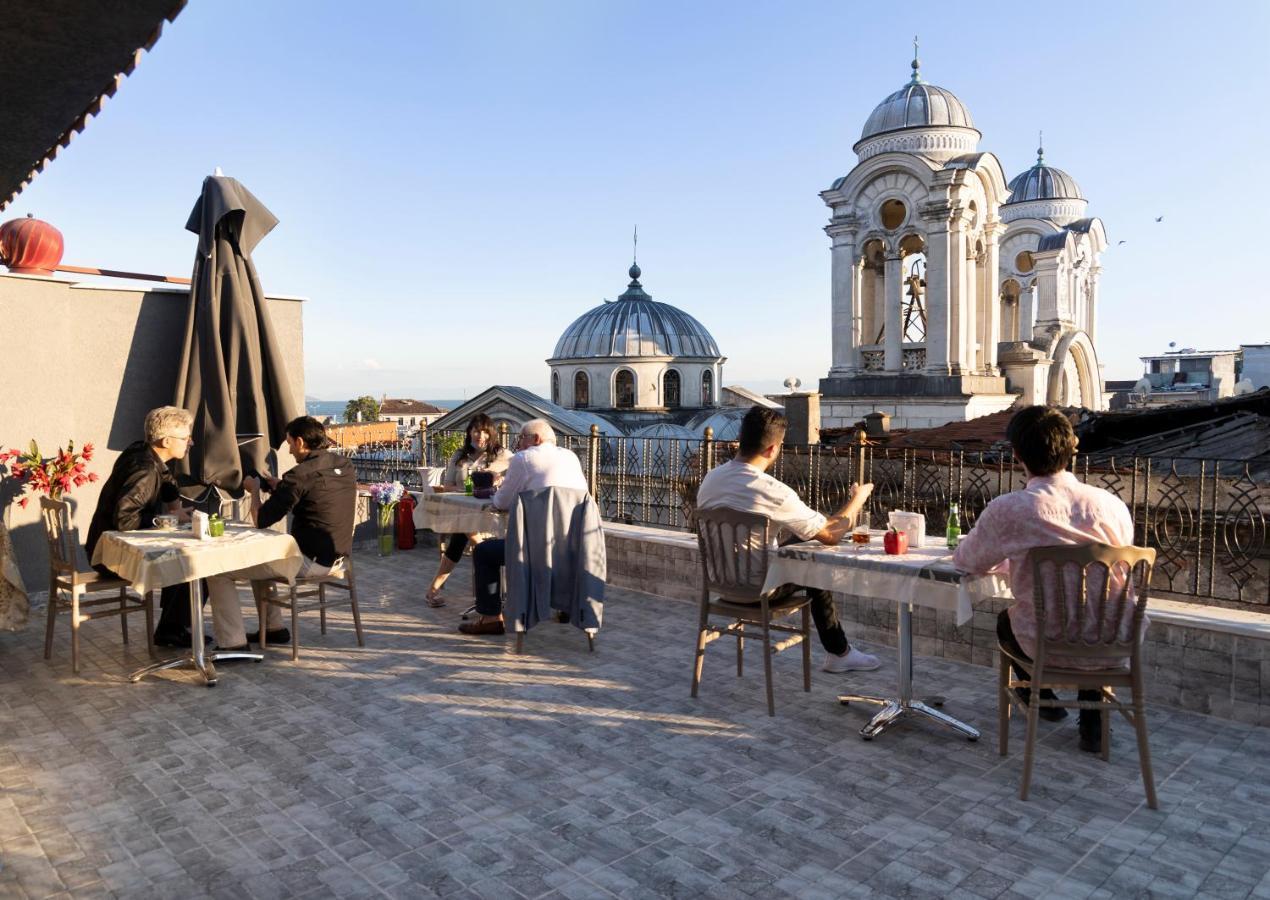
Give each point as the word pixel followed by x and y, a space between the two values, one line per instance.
pixel 845 315
pixel 1091 326
pixel 970 307
pixel 992 295
pixel 1027 313
pixel 803 413
pixel 936 300
pixel 894 314
pixel 957 363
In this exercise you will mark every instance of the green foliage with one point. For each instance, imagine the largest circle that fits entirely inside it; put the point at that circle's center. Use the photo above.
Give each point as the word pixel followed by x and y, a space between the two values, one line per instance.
pixel 368 407
pixel 447 443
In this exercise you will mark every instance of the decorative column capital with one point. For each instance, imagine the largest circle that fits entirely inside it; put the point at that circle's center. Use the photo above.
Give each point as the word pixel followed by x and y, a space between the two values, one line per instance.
pixel 843 229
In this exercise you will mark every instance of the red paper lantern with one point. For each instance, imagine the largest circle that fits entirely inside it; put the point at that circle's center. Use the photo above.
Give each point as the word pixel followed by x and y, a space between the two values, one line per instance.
pixel 30 247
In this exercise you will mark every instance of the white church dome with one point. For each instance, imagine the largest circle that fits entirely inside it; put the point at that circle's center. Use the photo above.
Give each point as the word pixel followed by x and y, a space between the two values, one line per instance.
pixel 635 325
pixel 919 118
pixel 1042 182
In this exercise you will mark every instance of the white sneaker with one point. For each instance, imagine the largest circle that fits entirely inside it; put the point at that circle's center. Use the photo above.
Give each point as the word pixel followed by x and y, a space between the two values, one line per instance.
pixel 851 661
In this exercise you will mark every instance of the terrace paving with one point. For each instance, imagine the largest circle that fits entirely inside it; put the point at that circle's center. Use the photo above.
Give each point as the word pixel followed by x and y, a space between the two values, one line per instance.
pixel 434 764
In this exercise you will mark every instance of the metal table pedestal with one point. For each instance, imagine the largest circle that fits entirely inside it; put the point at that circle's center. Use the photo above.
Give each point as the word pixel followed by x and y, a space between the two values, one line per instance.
pixel 895 709
pixel 198 657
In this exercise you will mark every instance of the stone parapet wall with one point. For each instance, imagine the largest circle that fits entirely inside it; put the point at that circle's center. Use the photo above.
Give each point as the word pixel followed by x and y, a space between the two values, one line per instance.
pixel 1199 658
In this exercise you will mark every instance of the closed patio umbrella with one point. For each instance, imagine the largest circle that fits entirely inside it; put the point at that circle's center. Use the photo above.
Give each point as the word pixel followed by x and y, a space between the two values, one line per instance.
pixel 233 376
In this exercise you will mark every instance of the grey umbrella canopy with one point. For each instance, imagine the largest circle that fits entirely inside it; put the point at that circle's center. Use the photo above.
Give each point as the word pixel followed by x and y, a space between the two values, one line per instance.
pixel 233 377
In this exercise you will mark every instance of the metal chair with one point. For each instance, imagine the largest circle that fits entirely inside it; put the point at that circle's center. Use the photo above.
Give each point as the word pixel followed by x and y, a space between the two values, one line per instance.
pixel 66 578
pixel 312 590
pixel 1090 603
pixel 733 547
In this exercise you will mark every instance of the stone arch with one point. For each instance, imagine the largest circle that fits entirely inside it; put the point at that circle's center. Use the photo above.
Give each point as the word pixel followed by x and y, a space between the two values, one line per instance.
pixel 625 389
pixel 555 388
pixel 1010 298
pixel 1074 374
pixel 671 389
pixel 581 389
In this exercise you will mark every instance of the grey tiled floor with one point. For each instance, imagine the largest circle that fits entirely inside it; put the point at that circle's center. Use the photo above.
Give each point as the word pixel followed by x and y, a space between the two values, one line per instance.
pixel 430 763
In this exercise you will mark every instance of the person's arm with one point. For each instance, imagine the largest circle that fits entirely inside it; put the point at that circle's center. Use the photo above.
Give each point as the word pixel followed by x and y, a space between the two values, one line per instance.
pixel 513 484
pixel 139 490
pixel 983 549
pixel 286 494
pixel 844 519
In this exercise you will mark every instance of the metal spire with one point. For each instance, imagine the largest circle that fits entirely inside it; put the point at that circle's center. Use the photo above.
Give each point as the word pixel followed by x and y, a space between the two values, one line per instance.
pixel 635 251
pixel 917 64
pixel 1040 148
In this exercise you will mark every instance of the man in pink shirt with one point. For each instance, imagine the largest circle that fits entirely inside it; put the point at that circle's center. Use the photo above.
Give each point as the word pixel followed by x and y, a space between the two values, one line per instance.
pixel 1053 508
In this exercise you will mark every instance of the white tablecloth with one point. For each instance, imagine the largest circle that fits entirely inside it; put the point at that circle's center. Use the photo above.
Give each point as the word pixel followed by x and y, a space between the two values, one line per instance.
pixel 454 513
pixel 154 559
pixel 923 577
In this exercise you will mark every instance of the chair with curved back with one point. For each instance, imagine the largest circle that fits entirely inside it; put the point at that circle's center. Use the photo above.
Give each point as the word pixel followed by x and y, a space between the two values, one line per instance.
pixel 307 592
pixel 733 547
pixel 1090 603
pixel 68 584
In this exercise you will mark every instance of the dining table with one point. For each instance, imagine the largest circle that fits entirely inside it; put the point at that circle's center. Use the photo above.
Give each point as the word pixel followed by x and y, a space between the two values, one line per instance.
pixel 924 577
pixel 151 559
pixel 454 513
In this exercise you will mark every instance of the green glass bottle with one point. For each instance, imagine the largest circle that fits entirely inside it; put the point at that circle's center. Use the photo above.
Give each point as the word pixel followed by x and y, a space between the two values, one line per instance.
pixel 467 484
pixel 953 531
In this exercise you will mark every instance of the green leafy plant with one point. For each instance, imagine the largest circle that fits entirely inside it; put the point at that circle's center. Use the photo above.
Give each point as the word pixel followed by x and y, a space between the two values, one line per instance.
pixel 366 406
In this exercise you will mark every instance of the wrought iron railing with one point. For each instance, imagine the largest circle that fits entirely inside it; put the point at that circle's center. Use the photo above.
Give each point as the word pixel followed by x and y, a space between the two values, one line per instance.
pixel 1208 519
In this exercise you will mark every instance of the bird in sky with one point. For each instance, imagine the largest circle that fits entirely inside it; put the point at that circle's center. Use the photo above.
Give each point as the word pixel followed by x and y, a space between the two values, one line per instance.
pixel 1120 243
pixel 1159 218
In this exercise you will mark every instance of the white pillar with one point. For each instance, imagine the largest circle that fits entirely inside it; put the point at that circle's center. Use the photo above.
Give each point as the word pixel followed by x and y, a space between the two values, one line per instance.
pixel 936 301
pixel 1091 326
pixel 844 317
pixel 957 315
pixel 1027 313
pixel 992 296
pixel 894 315
pixel 970 356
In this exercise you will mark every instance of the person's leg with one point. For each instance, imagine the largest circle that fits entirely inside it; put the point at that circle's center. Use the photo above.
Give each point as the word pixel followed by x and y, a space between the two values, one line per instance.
pixel 1090 722
pixel 453 553
pixel 1007 639
pixel 842 657
pixel 487 560
pixel 227 612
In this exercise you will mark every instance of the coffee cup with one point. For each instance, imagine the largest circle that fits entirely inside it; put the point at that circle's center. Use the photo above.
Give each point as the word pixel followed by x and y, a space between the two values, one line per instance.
pixel 166 522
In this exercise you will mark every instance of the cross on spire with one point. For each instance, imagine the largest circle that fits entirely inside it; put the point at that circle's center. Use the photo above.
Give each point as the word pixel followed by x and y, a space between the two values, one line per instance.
pixel 917 63
pixel 1040 148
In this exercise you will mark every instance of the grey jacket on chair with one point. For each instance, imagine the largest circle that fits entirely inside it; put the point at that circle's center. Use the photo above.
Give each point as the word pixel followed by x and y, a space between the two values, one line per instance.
pixel 555 559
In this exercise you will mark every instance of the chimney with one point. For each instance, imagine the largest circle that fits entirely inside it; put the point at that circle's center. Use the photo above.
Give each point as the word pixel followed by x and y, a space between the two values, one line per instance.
pixel 877 424
pixel 803 412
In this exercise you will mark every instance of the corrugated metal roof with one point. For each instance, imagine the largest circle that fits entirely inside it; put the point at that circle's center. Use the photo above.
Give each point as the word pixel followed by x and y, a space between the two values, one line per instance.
pixel 917 105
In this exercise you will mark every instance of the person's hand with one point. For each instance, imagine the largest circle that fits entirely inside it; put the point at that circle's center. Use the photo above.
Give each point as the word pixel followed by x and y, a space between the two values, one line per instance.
pixel 251 484
pixel 184 513
pixel 860 492
pixel 271 482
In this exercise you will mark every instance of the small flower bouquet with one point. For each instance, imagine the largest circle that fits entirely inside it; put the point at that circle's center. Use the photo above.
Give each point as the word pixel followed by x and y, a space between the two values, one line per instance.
pixel 55 475
pixel 386 494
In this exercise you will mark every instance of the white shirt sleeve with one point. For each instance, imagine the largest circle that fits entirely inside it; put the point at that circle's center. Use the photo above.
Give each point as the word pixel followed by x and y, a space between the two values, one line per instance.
pixel 795 516
pixel 513 483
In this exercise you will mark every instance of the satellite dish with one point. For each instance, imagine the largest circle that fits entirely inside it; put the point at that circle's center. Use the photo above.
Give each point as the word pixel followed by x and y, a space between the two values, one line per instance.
pixel 793 384
pixel 1172 344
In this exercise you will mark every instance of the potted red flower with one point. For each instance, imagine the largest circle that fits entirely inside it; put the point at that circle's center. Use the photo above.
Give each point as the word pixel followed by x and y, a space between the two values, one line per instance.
pixel 55 475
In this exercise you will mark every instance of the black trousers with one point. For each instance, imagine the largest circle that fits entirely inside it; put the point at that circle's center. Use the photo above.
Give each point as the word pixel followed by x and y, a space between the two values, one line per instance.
pixel 824 612
pixel 487 560
pixel 454 547
pixel 1089 718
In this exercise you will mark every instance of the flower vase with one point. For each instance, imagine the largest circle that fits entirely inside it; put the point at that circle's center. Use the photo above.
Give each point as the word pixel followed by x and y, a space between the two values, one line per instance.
pixel 386 542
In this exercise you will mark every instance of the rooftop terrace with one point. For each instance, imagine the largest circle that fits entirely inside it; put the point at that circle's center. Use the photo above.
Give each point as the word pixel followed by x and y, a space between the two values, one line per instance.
pixel 433 764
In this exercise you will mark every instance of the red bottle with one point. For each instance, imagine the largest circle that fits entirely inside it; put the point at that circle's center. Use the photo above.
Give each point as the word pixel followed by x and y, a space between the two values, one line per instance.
pixel 406 522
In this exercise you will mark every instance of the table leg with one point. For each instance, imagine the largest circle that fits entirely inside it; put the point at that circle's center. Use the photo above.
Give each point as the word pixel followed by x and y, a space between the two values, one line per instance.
pixel 198 658
pixel 893 710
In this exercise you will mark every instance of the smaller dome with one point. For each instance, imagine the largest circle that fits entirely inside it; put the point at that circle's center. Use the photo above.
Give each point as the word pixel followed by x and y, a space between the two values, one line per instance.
pixel 1042 182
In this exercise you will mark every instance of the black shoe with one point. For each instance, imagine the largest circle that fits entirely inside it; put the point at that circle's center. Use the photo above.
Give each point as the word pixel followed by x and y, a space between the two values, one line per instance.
pixel 1048 713
pixel 181 640
pixel 279 636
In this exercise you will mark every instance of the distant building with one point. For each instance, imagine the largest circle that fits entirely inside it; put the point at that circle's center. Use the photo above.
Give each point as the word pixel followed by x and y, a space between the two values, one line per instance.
pixel 634 367
pixel 735 395
pixel 409 414
pixel 1191 375
pixel 1256 367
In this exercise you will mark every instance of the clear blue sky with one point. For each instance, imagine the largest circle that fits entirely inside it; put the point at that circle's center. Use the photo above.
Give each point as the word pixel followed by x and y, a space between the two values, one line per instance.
pixel 457 182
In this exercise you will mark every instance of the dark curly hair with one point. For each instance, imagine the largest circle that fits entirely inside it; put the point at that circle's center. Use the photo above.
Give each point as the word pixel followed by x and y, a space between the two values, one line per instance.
pixel 1042 438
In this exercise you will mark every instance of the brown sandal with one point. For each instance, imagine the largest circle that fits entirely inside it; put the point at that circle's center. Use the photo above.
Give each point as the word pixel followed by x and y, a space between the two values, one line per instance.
pixel 434 599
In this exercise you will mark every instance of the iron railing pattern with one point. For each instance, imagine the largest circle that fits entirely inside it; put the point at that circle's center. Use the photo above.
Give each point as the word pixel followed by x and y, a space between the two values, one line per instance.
pixel 1207 519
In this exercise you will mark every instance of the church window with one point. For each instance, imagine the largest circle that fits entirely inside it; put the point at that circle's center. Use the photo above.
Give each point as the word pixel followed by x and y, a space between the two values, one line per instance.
pixel 624 389
pixel 670 389
pixel 707 388
pixel 555 387
pixel 1024 262
pixel 892 214
pixel 581 391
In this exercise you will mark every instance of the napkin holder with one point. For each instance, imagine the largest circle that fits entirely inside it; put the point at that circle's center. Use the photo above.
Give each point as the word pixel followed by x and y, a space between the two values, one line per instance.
pixel 912 524
pixel 200 526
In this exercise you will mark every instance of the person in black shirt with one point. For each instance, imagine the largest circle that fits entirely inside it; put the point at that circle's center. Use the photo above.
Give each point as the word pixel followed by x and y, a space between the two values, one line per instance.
pixel 140 487
pixel 320 493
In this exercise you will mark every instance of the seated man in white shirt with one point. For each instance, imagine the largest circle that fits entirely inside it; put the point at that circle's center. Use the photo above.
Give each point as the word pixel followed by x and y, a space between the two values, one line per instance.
pixel 743 484
pixel 538 463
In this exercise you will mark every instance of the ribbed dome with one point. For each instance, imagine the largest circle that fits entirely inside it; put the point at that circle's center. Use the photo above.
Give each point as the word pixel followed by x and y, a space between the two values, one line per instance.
pixel 1042 182
pixel 635 325
pixel 917 105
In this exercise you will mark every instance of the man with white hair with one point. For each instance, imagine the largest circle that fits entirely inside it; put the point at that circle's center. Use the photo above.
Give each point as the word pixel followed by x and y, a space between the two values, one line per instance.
pixel 538 463
pixel 140 487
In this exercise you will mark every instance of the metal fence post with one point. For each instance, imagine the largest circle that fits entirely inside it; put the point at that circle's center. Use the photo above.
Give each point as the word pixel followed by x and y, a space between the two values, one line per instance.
pixel 593 462
pixel 707 451
pixel 503 433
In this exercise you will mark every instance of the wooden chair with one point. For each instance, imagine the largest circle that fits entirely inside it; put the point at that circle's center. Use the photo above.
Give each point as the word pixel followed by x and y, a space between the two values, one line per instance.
pixel 1073 594
pixel 734 548
pixel 307 592
pixel 68 583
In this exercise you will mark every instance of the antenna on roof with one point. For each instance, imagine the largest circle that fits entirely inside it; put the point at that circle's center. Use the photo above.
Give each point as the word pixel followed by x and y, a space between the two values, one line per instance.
pixel 217 173
pixel 635 250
